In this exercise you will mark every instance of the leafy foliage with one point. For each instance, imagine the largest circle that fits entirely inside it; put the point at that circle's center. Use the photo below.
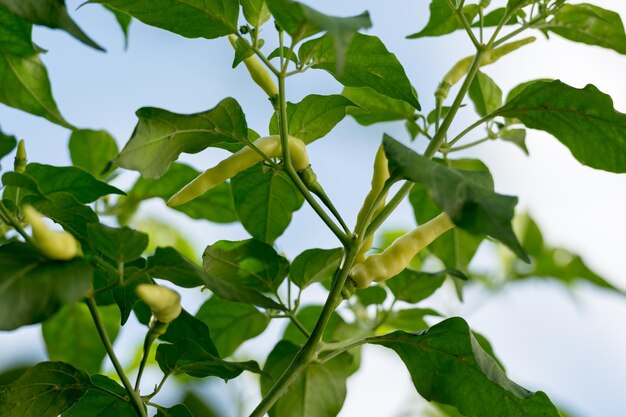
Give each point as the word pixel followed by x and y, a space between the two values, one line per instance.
pixel 83 302
pixel 161 136
pixel 446 363
pixel 584 120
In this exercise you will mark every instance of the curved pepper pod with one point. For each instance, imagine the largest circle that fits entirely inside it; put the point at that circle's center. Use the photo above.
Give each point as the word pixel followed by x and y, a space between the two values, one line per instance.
pixel 382 266
pixel 379 177
pixel 258 72
pixel 489 57
pixel 164 302
pixel 59 245
pixel 239 161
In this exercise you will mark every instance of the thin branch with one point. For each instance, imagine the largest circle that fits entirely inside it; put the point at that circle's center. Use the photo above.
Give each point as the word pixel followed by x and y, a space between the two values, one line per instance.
pixel 135 399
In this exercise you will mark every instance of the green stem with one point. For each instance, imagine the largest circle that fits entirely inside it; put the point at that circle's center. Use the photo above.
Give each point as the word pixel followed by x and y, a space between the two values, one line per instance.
pixel 433 146
pixel 440 135
pixel 471 127
pixel 156 329
pixel 459 12
pixel 309 351
pixel 343 349
pixel 298 325
pixel 469 145
pixel 135 399
pixel 529 24
pixel 158 387
pixel 284 142
pixel 15 224
pixel 389 208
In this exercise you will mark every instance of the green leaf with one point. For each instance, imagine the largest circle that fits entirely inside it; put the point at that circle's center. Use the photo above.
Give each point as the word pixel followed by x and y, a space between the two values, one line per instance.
pixel 516 137
pixel 184 327
pixel 161 136
pixel 125 296
pixel 414 286
pixel 92 150
pixel 371 295
pixel 372 107
pixel 314 265
pixel 487 347
pixel 584 120
pixel 255 12
pixel 485 94
pixel 248 263
pixel 215 205
pixel 123 20
pixel 444 20
pixel 190 18
pixel 230 323
pixel 190 358
pixel 198 405
pixel 455 248
pixel 45 390
pixel 447 365
pixel 71 336
pixel 162 233
pixel 265 200
pixel 368 63
pixel 64 209
pixel 178 410
pixel 314 116
pixel 409 320
pixel 287 54
pixel 23 75
pixel 589 24
pixel 120 244
pixel 243 51
pixel 50 13
pixel 301 21
pixel 168 264
pixel 15 35
pixel 318 392
pixel 7 144
pixel 556 263
pixel 464 195
pixel 33 288
pixel 68 180
pixel 98 402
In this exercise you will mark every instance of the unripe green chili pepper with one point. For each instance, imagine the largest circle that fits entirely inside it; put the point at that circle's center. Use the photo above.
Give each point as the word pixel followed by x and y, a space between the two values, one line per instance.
pixel 258 72
pixel 164 302
pixel 398 255
pixel 19 164
pixel 59 245
pixel 489 57
pixel 379 177
pixel 239 161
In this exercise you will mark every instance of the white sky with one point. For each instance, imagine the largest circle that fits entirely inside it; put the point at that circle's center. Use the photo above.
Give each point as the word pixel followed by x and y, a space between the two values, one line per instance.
pixel 569 345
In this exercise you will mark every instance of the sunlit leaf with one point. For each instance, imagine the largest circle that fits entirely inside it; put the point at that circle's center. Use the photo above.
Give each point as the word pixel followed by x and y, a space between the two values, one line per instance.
pixel 368 63
pixel 447 365
pixel 314 116
pixel 161 136
pixel 190 18
pixel 584 120
pixel 265 200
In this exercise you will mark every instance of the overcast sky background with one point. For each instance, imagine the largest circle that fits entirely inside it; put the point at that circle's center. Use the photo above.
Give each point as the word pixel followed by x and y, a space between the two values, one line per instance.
pixel 569 344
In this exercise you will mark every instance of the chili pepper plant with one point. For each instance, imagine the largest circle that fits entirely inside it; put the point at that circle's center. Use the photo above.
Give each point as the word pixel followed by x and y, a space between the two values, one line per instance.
pixel 81 285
